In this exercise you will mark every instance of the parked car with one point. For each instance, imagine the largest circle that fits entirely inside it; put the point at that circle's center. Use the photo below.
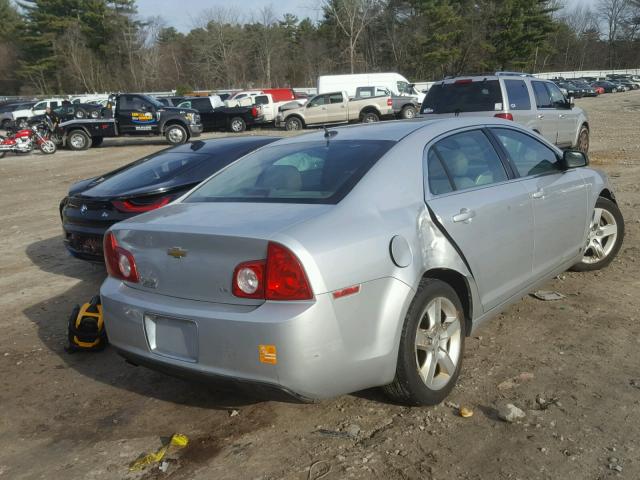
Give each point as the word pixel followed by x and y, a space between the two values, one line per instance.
pixel 334 108
pixel 403 106
pixel 394 82
pixel 96 98
pixel 278 94
pixel 21 117
pixel 353 258
pixel 131 115
pixel 529 101
pixel 6 112
pixel 608 87
pixel 619 85
pixel 587 90
pixel 216 116
pixel 94 204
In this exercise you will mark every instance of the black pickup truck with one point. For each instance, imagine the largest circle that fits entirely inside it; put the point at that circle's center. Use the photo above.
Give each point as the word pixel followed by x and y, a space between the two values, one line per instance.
pixel 128 115
pixel 216 116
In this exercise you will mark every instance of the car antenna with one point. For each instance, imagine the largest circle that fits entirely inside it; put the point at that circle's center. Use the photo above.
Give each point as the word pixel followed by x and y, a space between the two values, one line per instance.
pixel 329 133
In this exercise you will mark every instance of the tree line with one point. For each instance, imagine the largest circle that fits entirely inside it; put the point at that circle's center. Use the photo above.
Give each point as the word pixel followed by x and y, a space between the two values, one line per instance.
pixel 56 46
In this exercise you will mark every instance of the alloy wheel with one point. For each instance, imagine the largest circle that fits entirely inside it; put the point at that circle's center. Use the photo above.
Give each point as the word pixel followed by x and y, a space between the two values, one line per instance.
pixel 438 343
pixel 78 141
pixel 602 236
pixel 176 135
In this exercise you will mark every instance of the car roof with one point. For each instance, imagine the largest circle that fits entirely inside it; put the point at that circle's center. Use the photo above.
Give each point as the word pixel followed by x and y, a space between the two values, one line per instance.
pixel 395 130
pixel 212 145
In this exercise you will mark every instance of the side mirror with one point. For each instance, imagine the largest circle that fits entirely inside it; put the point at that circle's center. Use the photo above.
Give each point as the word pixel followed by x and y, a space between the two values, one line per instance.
pixel 574 159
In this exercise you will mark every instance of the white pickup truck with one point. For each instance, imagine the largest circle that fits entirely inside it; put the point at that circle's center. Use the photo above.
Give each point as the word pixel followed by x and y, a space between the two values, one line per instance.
pixel 20 117
pixel 335 107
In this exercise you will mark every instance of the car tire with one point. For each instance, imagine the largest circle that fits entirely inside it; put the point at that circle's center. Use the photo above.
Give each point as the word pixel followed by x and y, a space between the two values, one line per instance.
pixel 583 140
pixel 78 140
pixel 426 337
pixel 408 112
pixel 292 124
pixel 604 239
pixel 21 123
pixel 237 125
pixel 176 134
pixel 96 141
pixel 5 123
pixel 370 117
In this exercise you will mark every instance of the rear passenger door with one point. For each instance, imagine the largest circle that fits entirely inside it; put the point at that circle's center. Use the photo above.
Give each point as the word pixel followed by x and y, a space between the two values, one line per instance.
pixel 546 121
pixel 205 109
pixel 566 117
pixel 559 197
pixel 488 217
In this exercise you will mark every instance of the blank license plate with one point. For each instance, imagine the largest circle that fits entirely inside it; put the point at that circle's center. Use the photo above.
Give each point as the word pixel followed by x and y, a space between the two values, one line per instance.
pixel 172 337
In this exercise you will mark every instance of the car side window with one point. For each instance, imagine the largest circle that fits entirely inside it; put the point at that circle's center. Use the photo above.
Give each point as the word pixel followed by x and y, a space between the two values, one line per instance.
pixel 261 100
pixel 201 104
pixel 518 94
pixel 557 98
pixel 530 156
pixel 40 106
pixel 543 99
pixel 468 159
pixel 335 98
pixel 317 101
pixel 439 182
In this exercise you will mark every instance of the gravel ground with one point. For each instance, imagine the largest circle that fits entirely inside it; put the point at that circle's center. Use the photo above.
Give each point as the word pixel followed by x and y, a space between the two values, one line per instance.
pixel 571 366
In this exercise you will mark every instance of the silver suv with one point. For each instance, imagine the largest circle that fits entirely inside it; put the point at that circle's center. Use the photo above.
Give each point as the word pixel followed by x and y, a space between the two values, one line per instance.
pixel 530 101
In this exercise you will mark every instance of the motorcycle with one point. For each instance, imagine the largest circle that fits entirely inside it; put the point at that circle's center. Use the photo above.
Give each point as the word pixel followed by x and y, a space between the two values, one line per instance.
pixel 25 140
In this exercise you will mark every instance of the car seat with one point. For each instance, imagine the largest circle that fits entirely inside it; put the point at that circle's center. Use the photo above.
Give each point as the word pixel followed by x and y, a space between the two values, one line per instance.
pixel 458 165
pixel 280 177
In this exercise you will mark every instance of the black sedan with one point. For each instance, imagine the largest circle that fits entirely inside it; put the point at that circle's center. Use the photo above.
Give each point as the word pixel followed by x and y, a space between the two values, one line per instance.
pixel 93 205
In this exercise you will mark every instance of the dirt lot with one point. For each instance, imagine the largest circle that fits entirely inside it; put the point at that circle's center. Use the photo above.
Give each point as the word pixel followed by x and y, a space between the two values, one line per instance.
pixel 88 416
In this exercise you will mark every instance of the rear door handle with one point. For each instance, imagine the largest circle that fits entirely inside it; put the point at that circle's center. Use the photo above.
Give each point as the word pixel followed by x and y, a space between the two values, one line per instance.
pixel 538 194
pixel 562 115
pixel 465 215
pixel 540 116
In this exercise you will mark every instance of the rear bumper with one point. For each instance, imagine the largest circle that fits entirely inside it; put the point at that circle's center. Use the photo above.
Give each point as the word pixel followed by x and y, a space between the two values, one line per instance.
pixel 324 347
pixel 84 243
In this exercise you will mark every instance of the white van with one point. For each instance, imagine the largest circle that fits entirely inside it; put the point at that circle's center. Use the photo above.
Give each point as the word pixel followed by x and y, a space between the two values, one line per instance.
pixel 394 82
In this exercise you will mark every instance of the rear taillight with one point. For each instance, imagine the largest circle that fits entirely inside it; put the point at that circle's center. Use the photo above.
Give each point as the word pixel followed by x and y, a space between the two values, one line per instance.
pixel 279 277
pixel 506 116
pixel 132 206
pixel 389 102
pixel 120 262
pixel 254 112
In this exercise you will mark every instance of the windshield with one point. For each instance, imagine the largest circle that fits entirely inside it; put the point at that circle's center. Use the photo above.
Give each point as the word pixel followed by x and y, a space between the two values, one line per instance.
pixel 463 96
pixel 310 172
pixel 153 101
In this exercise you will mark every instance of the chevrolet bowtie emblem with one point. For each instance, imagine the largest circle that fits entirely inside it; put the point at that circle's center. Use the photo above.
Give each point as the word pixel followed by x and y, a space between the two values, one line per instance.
pixel 177 252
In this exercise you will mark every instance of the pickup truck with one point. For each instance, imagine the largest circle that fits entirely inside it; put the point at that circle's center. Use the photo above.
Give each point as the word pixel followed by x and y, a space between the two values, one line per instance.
pixel 129 114
pixel 215 115
pixel 335 107
pixel 21 117
pixel 404 106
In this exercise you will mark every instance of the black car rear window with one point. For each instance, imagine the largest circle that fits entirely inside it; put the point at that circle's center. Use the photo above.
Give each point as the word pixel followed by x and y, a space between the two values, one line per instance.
pixel 463 96
pixel 309 172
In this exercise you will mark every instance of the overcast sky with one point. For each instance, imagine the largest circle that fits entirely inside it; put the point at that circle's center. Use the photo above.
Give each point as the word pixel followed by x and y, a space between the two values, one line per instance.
pixel 186 14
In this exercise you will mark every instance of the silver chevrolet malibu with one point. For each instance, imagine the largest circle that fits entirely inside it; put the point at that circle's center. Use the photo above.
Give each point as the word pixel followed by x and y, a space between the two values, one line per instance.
pixel 354 257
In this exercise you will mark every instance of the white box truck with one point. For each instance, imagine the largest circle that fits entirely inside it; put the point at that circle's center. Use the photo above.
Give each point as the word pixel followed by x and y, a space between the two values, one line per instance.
pixel 396 83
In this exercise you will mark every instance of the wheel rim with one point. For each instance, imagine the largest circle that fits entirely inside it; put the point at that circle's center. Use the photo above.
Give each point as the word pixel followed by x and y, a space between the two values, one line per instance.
pixel 293 125
pixel 48 147
pixel 603 234
pixel 369 118
pixel 77 141
pixel 176 135
pixel 438 343
pixel 409 113
pixel 236 125
pixel 583 143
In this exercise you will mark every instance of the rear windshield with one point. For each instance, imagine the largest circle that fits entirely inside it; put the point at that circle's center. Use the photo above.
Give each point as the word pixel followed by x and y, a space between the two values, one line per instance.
pixel 310 172
pixel 482 96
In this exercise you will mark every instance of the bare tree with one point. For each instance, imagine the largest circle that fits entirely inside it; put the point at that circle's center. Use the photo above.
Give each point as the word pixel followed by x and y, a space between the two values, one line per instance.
pixel 352 17
pixel 615 13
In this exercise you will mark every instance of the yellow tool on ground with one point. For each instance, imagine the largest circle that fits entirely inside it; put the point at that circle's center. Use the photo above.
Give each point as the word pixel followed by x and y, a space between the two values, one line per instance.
pixel 86 327
pixel 177 440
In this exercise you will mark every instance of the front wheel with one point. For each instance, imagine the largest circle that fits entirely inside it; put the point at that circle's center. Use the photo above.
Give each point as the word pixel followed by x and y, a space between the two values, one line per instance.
pixel 293 124
pixel 583 140
pixel 176 134
pixel 48 147
pixel 237 125
pixel 431 346
pixel 604 237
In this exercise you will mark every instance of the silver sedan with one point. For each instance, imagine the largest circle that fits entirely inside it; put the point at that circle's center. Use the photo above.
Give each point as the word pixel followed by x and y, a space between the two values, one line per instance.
pixel 354 257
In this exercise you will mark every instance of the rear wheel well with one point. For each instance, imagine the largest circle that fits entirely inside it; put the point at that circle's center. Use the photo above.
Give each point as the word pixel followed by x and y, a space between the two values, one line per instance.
pixel 366 110
pixel 459 283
